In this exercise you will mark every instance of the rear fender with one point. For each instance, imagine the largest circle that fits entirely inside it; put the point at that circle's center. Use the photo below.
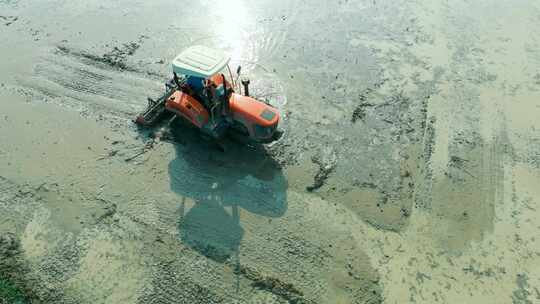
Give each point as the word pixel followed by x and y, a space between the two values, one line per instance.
pixel 188 107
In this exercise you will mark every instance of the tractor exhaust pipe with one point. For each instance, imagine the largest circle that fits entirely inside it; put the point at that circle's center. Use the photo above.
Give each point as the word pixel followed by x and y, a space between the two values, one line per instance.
pixel 245 83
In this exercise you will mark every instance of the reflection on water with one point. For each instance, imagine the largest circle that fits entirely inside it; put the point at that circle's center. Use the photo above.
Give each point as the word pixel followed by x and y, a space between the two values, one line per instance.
pixel 230 24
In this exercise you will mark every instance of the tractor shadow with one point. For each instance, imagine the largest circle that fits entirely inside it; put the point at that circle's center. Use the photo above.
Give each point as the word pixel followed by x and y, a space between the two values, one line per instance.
pixel 222 185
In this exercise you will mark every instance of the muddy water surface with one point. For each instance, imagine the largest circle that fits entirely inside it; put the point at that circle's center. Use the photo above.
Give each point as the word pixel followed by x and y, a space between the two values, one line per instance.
pixel 408 172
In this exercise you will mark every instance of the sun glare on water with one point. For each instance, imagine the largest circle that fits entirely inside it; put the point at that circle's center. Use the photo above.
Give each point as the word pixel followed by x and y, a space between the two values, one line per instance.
pixel 232 26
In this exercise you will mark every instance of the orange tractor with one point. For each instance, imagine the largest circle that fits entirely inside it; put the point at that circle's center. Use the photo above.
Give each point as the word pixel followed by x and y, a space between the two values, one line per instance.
pixel 200 93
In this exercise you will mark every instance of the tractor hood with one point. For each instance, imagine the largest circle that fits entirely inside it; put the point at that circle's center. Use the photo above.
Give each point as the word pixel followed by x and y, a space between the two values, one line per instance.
pixel 253 111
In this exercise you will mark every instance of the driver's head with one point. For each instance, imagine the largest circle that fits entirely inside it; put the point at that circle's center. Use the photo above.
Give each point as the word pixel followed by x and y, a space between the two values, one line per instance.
pixel 209 83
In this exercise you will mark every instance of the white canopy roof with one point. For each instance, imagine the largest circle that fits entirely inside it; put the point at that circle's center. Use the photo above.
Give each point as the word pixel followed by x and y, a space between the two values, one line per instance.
pixel 200 61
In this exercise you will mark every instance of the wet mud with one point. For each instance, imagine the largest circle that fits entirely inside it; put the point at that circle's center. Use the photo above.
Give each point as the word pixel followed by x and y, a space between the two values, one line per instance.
pixel 407 172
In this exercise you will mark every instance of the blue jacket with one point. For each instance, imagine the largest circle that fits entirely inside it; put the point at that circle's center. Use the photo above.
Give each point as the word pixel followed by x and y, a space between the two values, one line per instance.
pixel 196 83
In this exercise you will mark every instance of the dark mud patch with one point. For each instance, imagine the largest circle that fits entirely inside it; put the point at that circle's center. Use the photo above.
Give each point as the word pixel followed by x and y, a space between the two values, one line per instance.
pixel 118 55
pixel 326 160
pixel 287 151
pixel 522 294
pixel 423 200
pixel 359 113
pixel 531 153
pixel 109 211
pixel 12 286
pixel 10 293
pixel 473 269
pixel 17 284
pixel 283 290
pixel 8 20
pixel 116 58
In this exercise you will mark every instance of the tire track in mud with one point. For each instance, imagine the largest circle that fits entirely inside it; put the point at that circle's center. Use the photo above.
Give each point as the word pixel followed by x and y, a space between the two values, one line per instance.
pixel 462 175
pixel 170 286
pixel 465 196
pixel 108 85
pixel 104 84
pixel 392 152
pixel 423 130
pixel 265 253
pixel 59 266
pixel 262 270
pixel 432 135
pixel 183 274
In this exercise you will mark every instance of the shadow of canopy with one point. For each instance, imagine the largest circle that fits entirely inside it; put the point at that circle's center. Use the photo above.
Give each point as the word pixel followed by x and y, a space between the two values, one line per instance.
pixel 242 177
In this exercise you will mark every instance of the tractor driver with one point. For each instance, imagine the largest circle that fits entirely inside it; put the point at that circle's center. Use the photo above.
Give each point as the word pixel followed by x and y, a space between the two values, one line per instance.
pixel 196 83
pixel 211 99
pixel 198 87
pixel 216 94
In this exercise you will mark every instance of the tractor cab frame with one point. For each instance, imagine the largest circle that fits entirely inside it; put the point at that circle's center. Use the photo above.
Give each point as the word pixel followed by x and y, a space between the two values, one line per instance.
pixel 202 69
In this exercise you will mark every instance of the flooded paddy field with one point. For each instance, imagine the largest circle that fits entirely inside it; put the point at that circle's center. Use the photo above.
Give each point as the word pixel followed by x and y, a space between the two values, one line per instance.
pixel 409 170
